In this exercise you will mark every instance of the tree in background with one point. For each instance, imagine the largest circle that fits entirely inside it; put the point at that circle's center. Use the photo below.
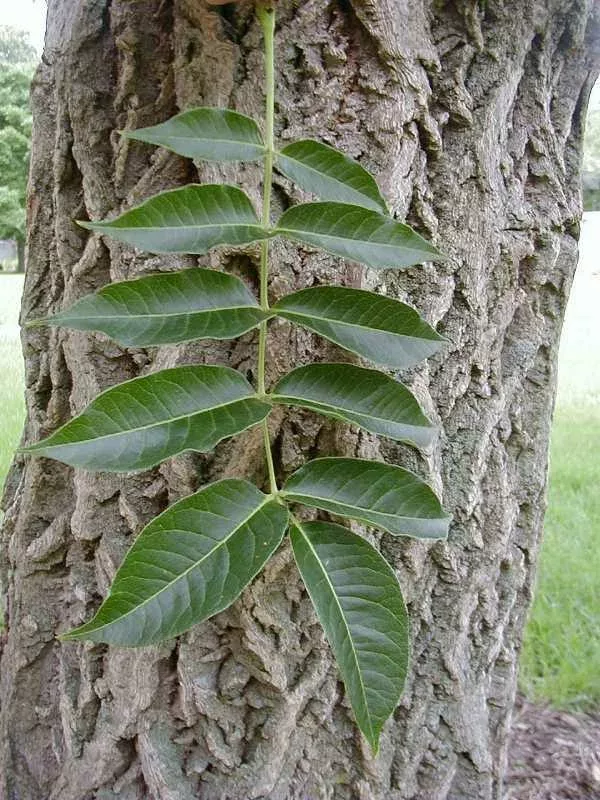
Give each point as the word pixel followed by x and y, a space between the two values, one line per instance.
pixel 15 47
pixel 17 59
pixel 591 155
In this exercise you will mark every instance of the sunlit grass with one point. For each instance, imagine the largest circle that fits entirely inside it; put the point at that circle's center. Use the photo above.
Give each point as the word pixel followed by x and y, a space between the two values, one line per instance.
pixel 561 654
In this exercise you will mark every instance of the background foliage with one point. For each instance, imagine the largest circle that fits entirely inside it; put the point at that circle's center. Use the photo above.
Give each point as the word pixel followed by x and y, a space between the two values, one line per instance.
pixel 17 59
pixel 591 155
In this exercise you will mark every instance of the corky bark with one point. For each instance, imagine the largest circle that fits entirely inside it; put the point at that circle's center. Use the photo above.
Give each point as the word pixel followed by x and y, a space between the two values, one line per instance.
pixel 471 117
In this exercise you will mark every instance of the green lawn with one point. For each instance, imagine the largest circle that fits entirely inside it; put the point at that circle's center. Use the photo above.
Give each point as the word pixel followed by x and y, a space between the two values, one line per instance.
pixel 561 653
pixel 11 379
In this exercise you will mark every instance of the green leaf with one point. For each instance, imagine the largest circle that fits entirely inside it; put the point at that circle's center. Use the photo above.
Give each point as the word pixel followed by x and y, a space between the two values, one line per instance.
pixel 190 562
pixel 382 495
pixel 356 233
pixel 211 134
pixel 360 606
pixel 166 308
pixel 363 397
pixel 378 328
pixel 188 220
pixel 331 175
pixel 139 423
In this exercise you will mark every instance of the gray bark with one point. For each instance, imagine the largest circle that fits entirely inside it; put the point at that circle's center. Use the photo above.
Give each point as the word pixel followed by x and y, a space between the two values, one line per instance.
pixel 471 117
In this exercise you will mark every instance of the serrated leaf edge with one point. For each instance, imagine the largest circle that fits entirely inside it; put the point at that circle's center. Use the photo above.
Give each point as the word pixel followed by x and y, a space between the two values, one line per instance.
pixel 294 234
pixel 125 317
pixel 343 414
pixel 102 224
pixel 379 207
pixel 331 411
pixel 373 741
pixel 33 448
pixel 128 431
pixel 131 134
pixel 257 157
pixel 297 498
pixel 73 635
pixel 284 313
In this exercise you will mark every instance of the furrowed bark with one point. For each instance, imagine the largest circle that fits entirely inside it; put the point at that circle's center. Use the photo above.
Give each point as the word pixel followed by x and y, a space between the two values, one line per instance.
pixel 471 117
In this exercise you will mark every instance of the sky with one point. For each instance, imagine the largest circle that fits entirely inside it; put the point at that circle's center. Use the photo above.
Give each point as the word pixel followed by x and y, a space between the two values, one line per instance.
pixel 26 15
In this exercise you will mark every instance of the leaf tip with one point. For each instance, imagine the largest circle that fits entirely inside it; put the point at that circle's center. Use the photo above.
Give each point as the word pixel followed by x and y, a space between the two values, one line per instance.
pixel 81 633
pixel 134 135
pixel 445 522
pixel 374 745
pixel 69 636
pixel 444 340
pixel 38 322
pixel 37 448
pixel 372 734
pixel 439 255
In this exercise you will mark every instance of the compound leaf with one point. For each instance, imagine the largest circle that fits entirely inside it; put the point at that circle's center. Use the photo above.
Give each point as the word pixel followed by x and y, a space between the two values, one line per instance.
pixel 331 175
pixel 361 396
pixel 356 233
pixel 210 134
pixel 166 309
pixel 139 423
pixel 360 606
pixel 378 328
pixel 188 220
pixel 382 495
pixel 190 562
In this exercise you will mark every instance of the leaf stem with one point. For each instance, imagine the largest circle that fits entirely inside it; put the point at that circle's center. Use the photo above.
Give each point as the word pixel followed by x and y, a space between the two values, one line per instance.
pixel 266 15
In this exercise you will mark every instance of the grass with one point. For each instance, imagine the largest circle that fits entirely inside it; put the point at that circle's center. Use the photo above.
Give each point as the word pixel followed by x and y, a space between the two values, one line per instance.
pixel 561 653
pixel 560 662
pixel 11 392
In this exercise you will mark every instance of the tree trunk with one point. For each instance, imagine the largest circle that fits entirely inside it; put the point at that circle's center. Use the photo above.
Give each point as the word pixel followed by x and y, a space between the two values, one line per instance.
pixel 471 116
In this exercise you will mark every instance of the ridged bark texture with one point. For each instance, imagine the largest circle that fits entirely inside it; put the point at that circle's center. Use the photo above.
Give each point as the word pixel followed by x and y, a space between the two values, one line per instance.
pixel 471 116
